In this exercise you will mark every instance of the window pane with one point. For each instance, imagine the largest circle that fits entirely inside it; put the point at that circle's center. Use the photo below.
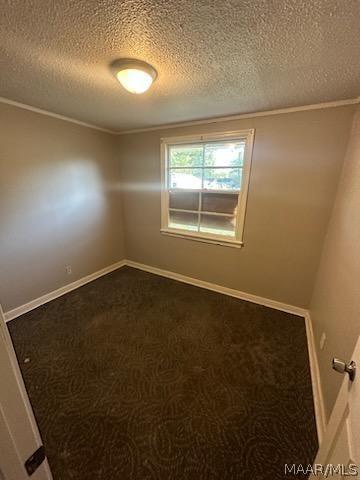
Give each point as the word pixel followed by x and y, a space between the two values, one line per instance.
pixel 219 202
pixel 230 154
pixel 184 200
pixel 183 220
pixel 186 156
pixel 187 178
pixel 217 225
pixel 222 178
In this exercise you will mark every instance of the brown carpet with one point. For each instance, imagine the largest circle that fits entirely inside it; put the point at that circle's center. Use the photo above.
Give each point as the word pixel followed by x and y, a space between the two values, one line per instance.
pixel 135 376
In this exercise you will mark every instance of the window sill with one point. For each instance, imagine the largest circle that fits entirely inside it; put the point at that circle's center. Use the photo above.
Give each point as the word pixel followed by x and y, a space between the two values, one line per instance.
pixel 202 238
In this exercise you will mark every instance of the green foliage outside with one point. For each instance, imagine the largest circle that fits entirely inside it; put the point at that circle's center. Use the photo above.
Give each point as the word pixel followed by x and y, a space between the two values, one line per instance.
pixel 193 156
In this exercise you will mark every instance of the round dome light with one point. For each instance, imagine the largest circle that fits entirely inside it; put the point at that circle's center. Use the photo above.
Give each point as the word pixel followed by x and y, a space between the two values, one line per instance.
pixel 134 75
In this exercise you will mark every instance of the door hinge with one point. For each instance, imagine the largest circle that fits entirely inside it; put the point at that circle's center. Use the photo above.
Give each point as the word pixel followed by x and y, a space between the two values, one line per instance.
pixel 35 460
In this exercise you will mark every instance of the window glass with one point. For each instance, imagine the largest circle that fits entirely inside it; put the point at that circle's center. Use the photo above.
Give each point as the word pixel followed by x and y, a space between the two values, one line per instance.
pixel 219 202
pixel 217 224
pixel 183 220
pixel 222 178
pixel 228 154
pixel 186 178
pixel 186 156
pixel 184 200
pixel 206 185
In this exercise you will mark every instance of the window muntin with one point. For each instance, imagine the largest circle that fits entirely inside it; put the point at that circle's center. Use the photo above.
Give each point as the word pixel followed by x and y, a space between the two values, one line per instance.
pixel 205 183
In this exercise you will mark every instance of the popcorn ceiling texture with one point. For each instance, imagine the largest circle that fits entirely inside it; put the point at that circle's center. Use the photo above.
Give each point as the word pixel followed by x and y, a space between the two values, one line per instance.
pixel 214 57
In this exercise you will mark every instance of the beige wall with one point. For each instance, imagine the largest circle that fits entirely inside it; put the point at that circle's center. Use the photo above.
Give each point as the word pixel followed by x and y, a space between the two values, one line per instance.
pixel 297 159
pixel 335 307
pixel 59 204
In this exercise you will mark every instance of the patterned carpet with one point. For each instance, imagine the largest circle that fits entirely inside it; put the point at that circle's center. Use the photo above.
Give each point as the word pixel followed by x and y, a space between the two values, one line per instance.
pixel 135 376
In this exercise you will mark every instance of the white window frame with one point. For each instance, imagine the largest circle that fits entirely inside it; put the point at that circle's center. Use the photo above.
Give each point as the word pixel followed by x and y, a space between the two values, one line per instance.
pixel 237 240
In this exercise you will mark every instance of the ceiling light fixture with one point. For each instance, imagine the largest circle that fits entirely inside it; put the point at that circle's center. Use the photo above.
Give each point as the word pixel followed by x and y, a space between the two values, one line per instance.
pixel 134 75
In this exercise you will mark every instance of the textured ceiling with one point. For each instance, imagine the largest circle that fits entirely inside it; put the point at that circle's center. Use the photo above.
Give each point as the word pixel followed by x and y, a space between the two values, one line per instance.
pixel 214 57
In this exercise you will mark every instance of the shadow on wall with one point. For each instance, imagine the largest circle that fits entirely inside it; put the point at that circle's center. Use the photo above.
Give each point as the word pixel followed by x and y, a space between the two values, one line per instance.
pixel 335 307
pixel 57 203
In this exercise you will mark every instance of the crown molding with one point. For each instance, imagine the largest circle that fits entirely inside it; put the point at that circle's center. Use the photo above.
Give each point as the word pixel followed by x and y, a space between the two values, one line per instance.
pixel 54 115
pixel 265 113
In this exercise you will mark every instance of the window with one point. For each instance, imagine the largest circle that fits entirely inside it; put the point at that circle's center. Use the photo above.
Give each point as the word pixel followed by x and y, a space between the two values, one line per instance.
pixel 204 186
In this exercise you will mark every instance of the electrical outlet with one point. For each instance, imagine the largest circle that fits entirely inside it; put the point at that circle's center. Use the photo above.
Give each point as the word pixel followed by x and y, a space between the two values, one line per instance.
pixel 322 340
pixel 68 269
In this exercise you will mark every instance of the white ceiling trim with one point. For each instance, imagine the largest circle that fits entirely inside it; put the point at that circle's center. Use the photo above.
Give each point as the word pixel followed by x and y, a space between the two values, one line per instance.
pixel 265 113
pixel 54 115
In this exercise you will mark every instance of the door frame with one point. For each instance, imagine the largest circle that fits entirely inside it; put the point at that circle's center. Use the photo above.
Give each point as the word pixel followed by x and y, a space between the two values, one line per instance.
pixel 12 436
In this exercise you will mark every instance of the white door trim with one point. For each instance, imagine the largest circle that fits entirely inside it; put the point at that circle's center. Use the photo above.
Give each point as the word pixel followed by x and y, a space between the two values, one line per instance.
pixel 315 379
pixel 15 457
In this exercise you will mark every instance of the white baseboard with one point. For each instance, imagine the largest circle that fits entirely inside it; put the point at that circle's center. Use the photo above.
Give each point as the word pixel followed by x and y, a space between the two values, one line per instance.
pixel 315 380
pixel 284 307
pixel 16 312
pixel 314 367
